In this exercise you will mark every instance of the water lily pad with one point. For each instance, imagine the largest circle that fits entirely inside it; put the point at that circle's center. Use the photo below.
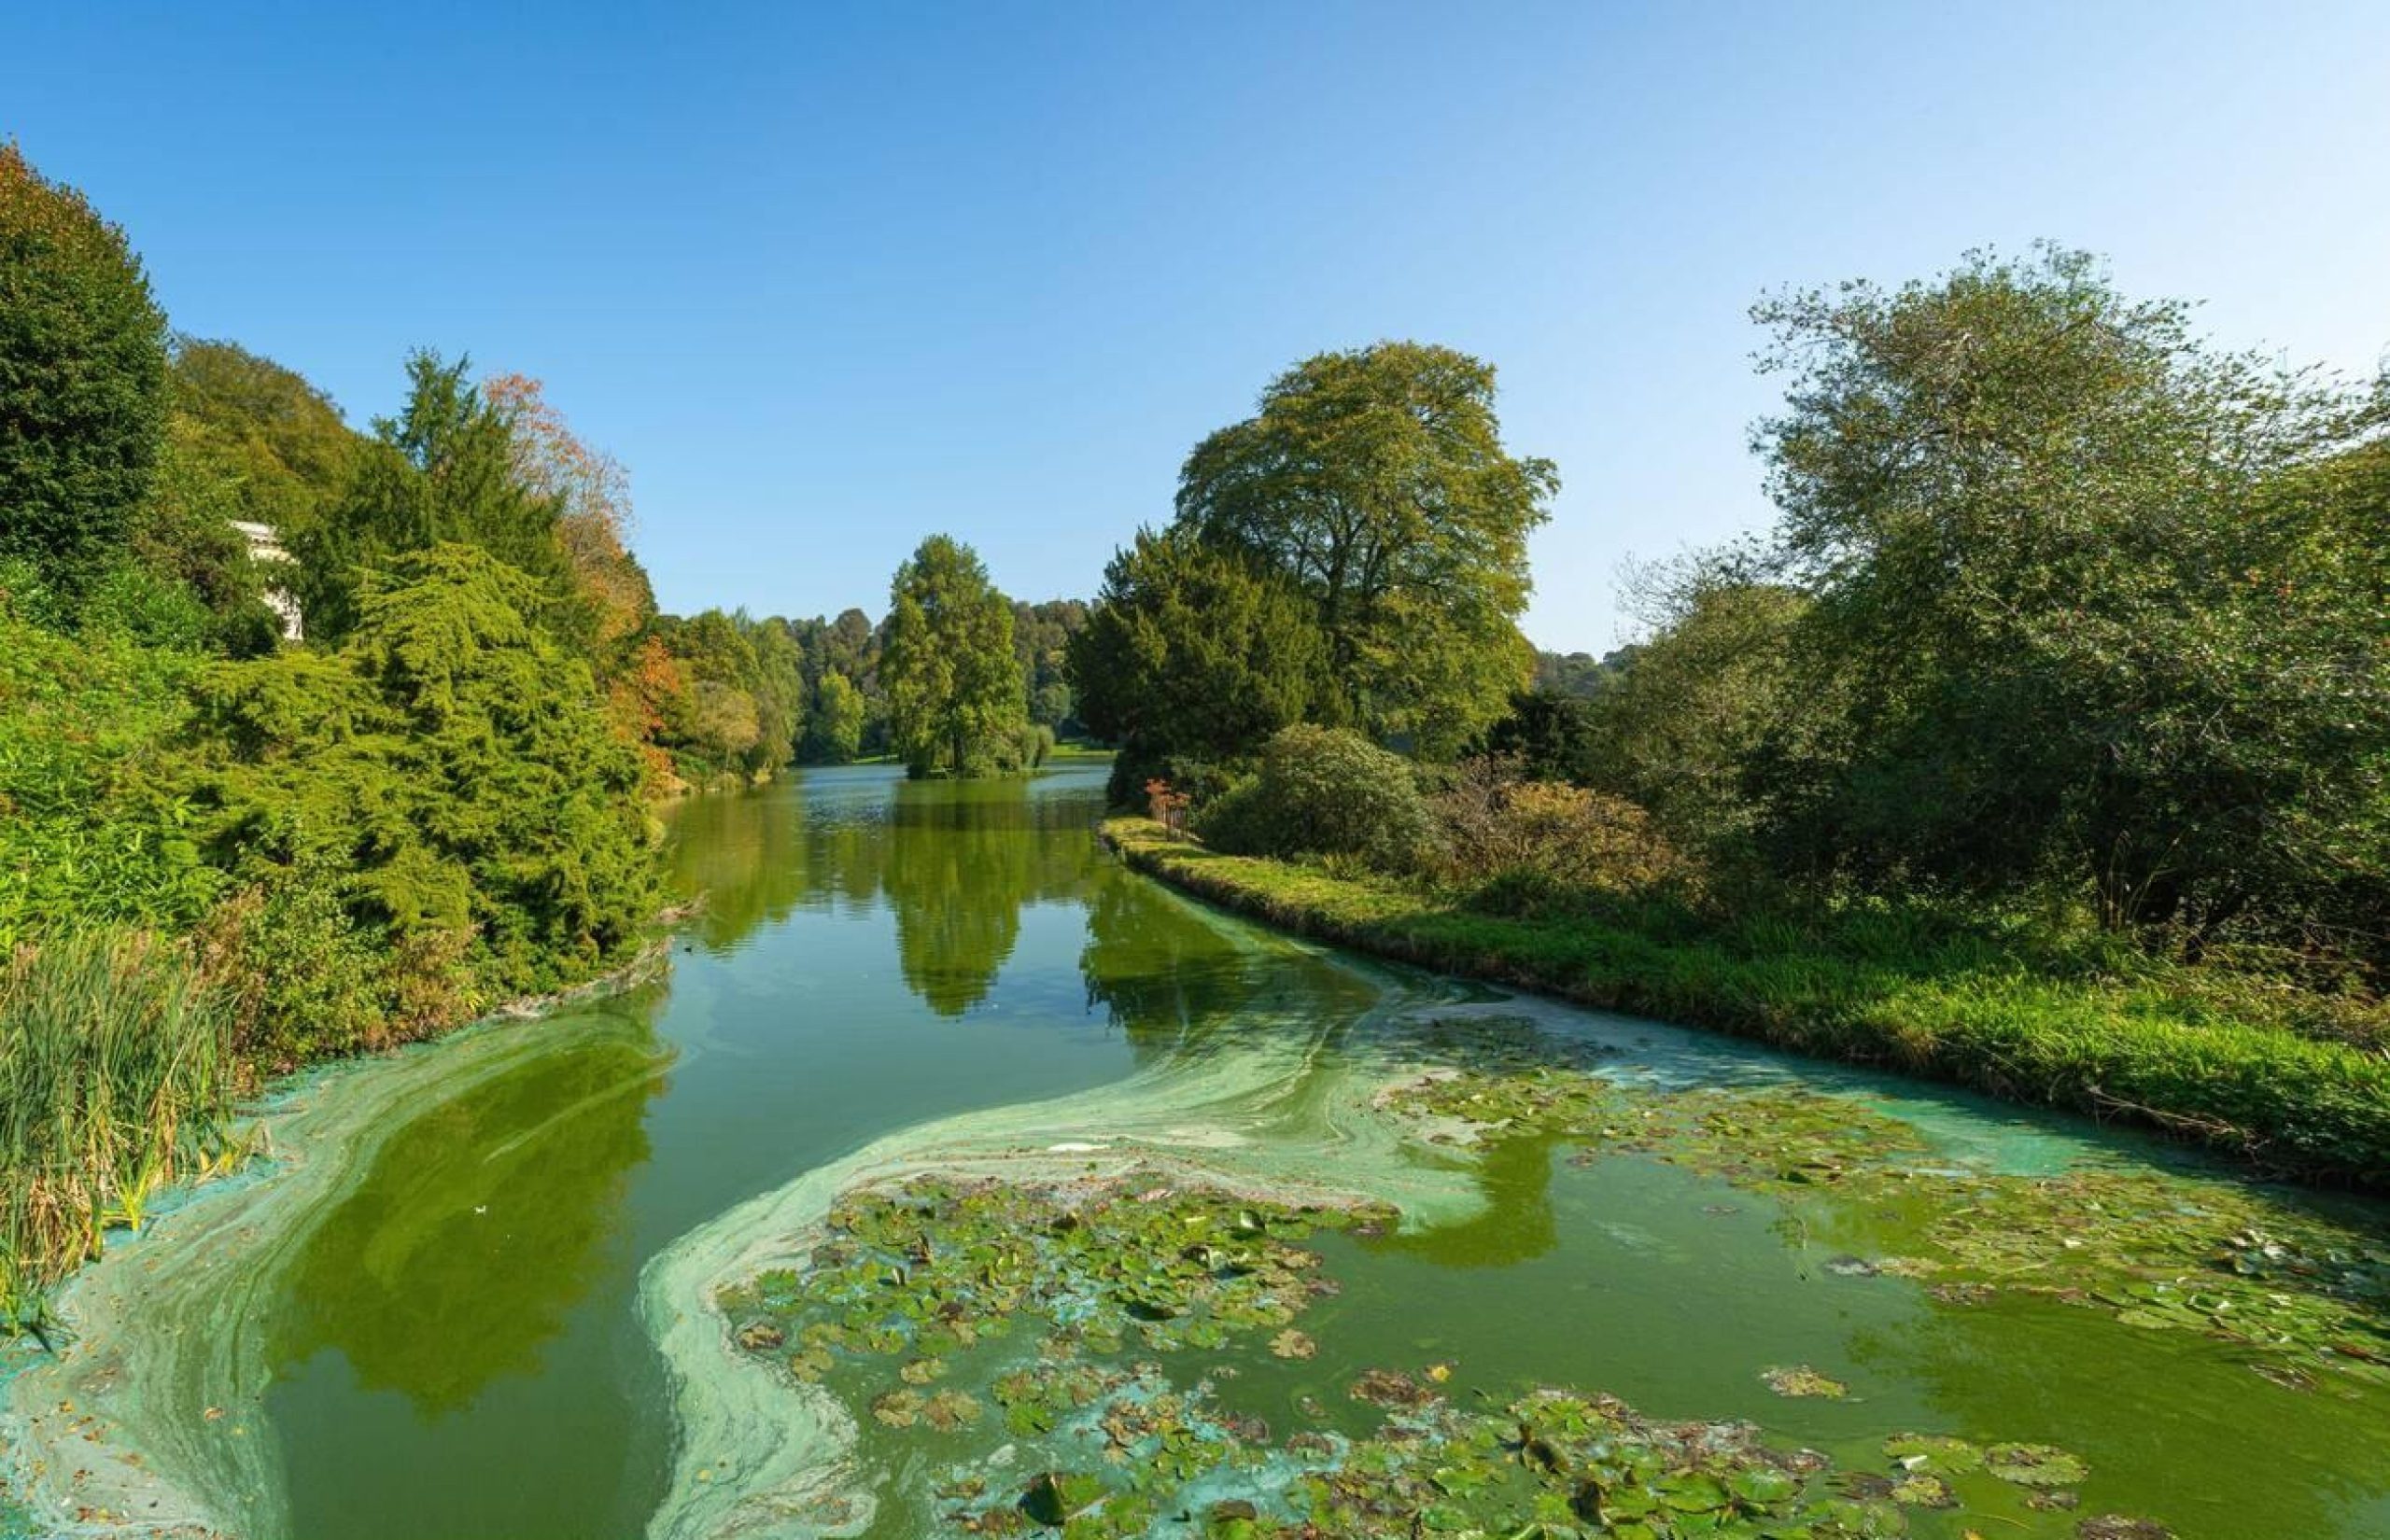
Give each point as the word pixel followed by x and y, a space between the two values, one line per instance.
pixel 2034 1466
pixel 951 1409
pixel 2113 1526
pixel 1933 1454
pixel 1923 1490
pixel 1054 1498
pixel 1291 1343
pixel 1800 1381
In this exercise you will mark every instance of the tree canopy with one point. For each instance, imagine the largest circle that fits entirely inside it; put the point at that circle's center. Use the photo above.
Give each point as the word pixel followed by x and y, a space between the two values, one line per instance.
pixel 82 379
pixel 1377 481
pixel 1193 650
pixel 952 678
pixel 2088 596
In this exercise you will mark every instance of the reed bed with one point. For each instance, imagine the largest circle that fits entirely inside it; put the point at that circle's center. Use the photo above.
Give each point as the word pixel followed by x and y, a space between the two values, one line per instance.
pixel 116 1076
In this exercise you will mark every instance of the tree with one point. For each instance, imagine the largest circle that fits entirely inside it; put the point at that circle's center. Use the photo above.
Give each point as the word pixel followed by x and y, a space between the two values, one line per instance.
pixel 1193 650
pixel 447 468
pixel 82 379
pixel 1549 732
pixel 1377 481
pixel 452 762
pixel 592 493
pixel 1041 637
pixel 834 729
pixel 282 442
pixel 953 682
pixel 1678 729
pixel 2090 599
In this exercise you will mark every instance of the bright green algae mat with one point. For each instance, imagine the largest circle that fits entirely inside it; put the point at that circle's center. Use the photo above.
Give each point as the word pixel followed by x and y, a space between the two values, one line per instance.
pixel 959 1183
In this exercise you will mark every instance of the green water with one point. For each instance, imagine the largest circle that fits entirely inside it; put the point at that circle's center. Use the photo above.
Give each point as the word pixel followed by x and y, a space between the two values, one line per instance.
pixel 481 1310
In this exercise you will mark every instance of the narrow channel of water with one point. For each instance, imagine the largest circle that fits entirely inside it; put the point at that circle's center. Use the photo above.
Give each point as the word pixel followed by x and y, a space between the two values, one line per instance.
pixel 445 1320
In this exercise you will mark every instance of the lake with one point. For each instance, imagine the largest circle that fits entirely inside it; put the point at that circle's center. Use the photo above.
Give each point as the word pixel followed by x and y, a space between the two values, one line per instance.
pixel 473 1295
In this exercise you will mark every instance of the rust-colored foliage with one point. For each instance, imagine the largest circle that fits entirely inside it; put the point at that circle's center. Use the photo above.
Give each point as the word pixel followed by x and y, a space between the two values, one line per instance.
pixel 595 523
pixel 1167 806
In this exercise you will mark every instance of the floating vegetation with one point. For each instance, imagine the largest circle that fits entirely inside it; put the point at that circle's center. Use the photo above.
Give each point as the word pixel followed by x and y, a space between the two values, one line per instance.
pixel 1068 1303
pixel 1802 1382
pixel 2160 1251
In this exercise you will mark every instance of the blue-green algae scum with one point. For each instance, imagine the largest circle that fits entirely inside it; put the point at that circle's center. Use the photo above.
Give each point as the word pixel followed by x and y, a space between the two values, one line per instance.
pixel 958 1183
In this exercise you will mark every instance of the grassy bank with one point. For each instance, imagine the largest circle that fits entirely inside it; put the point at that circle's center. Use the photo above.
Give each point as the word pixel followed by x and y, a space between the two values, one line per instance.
pixel 1956 1010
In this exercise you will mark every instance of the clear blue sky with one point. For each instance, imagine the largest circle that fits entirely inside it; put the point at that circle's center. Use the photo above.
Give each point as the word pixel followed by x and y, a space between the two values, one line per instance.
pixel 829 279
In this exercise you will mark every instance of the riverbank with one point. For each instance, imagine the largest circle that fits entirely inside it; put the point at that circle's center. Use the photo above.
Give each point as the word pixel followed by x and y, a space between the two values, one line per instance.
pixel 2319 1111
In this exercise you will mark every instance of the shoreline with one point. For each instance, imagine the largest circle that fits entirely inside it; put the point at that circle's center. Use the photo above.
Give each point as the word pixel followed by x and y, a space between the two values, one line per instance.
pixel 2280 1105
pixel 170 1422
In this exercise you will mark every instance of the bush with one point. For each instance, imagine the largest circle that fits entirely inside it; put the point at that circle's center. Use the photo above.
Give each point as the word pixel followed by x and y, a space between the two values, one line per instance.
pixel 1497 825
pixel 1325 790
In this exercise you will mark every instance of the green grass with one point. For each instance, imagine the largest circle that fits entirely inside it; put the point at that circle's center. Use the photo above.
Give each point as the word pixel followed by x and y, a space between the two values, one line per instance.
pixel 2154 1047
pixel 116 1077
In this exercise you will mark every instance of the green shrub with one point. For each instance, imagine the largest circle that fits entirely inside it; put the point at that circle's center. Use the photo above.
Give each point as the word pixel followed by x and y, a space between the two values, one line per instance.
pixel 1496 825
pixel 93 828
pixel 305 979
pixel 453 764
pixel 1325 790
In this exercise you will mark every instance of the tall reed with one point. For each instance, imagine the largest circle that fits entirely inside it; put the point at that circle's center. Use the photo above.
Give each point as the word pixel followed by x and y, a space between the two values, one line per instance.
pixel 116 1076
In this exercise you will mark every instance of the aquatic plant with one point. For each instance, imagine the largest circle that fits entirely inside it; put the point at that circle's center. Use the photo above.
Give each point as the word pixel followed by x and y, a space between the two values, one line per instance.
pixel 2300 1291
pixel 116 1077
pixel 1051 1298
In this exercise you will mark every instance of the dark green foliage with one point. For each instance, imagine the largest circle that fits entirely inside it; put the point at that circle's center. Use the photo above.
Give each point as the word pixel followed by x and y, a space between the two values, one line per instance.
pixel 1549 732
pixel 453 762
pixel 1325 790
pixel 2091 600
pixel 1041 635
pixel 1193 651
pixel 443 471
pixel 1377 482
pixel 1680 726
pixel 82 380
pixel 1581 676
pixel 952 679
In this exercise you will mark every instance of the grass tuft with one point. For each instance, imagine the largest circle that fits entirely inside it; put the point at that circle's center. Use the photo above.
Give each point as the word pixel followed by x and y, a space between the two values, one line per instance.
pixel 116 1077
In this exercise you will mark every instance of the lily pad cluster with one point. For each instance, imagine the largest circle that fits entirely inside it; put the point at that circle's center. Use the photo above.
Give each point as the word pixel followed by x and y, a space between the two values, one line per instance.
pixel 2301 1290
pixel 907 1279
pixel 1018 1338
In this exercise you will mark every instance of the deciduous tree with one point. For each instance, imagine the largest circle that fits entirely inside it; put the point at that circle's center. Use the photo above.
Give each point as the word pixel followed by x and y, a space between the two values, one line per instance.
pixel 1377 480
pixel 83 378
pixel 952 679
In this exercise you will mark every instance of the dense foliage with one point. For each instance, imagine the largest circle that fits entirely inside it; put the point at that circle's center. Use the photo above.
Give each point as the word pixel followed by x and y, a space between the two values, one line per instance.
pixel 82 379
pixel 1376 480
pixel 1325 792
pixel 2119 619
pixel 953 681
pixel 452 763
pixel 2069 662
pixel 1193 654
